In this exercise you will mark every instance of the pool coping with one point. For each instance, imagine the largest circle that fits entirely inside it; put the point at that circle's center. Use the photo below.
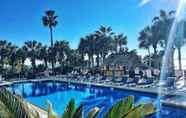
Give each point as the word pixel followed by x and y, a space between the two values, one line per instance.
pixel 172 103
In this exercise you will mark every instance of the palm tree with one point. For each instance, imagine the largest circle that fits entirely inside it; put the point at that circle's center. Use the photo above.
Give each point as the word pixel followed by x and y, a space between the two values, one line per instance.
pixel 119 41
pixel 43 54
pixel 103 41
pixel 180 41
pixel 50 21
pixel 13 55
pixel 164 25
pixel 12 106
pixel 82 47
pixel 3 52
pixel 22 55
pixel 104 31
pixel 145 41
pixel 62 49
pixel 74 58
pixel 91 48
pixel 160 29
pixel 33 48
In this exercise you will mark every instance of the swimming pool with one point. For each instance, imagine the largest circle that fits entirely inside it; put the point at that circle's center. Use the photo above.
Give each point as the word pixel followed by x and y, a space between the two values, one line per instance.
pixel 60 93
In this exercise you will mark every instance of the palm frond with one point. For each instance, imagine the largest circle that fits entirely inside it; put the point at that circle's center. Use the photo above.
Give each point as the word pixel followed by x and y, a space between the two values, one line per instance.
pixel 14 105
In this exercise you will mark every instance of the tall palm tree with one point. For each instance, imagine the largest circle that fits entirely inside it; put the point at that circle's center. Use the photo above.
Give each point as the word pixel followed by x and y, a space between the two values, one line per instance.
pixel 3 52
pixel 160 29
pixel 145 41
pixel 91 41
pixel 74 58
pixel 13 56
pixel 82 47
pixel 33 48
pixel 103 43
pixel 62 49
pixel 50 21
pixel 22 55
pixel 180 41
pixel 119 41
pixel 43 54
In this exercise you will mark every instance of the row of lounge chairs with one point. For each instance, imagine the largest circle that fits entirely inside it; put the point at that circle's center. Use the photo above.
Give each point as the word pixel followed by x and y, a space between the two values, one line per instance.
pixel 137 80
pixel 121 81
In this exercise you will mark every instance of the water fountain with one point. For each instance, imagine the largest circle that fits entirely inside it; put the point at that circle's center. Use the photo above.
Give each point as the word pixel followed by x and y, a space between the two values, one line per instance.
pixel 180 14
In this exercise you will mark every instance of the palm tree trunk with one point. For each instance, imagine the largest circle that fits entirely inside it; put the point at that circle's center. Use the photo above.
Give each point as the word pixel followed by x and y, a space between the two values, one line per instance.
pixel 34 65
pixel 149 58
pixel 97 60
pixel 82 57
pixel 120 46
pixel 12 66
pixel 52 45
pixel 2 65
pixel 92 61
pixel 46 64
pixel 89 62
pixel 155 50
pixel 104 56
pixel 51 36
pixel 171 63
pixel 22 65
pixel 179 58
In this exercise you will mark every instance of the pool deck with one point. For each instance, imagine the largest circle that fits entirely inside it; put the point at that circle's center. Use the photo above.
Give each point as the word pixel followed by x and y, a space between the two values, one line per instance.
pixel 178 98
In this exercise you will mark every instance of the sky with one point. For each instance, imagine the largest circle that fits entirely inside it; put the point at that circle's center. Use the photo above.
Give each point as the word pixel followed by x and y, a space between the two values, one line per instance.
pixel 20 20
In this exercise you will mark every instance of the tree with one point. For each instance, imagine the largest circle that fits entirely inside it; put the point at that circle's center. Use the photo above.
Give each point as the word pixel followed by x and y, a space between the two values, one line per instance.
pixel 13 56
pixel 50 21
pixel 145 41
pixel 74 58
pixel 3 53
pixel 159 31
pixel 12 106
pixel 180 41
pixel 62 49
pixel 82 47
pixel 33 48
pixel 91 48
pixel 119 41
pixel 103 42
pixel 22 55
pixel 43 55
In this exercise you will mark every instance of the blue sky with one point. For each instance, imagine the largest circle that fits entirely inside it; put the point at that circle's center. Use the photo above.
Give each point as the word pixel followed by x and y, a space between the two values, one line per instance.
pixel 20 20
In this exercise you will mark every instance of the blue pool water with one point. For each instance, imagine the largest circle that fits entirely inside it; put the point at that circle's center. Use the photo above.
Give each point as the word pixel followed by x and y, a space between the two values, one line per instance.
pixel 60 93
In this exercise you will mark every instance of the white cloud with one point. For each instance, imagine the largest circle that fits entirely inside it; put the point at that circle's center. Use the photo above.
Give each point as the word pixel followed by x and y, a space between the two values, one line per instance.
pixel 144 2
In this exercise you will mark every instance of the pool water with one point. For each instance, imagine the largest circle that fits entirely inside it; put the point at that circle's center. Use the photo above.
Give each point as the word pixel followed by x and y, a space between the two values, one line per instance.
pixel 60 93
